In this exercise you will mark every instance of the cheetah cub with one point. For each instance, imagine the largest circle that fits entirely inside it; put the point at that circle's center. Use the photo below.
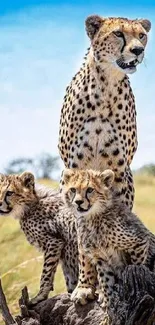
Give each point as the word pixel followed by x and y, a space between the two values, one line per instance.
pixel 108 232
pixel 46 223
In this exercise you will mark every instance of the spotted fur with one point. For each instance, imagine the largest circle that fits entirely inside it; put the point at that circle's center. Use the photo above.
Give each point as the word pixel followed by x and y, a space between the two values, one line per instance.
pixel 98 118
pixel 46 223
pixel 110 236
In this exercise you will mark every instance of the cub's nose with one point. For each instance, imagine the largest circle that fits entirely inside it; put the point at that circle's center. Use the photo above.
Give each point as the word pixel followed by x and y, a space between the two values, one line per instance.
pixel 137 50
pixel 79 202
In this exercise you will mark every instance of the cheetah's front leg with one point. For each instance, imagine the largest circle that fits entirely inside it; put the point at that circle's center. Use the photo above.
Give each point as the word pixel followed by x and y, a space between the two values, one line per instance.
pixel 85 289
pixel 70 266
pixel 51 259
pixel 106 281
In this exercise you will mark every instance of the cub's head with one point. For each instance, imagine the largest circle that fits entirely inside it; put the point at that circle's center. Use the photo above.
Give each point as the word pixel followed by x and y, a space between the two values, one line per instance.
pixel 15 192
pixel 87 191
pixel 118 41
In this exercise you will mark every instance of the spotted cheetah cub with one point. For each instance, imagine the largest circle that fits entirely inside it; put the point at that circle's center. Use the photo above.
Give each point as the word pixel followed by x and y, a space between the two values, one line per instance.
pixel 46 224
pixel 108 232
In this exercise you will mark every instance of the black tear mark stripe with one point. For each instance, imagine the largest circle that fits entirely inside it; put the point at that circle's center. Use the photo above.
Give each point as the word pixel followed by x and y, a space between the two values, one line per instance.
pixel 124 40
pixel 5 198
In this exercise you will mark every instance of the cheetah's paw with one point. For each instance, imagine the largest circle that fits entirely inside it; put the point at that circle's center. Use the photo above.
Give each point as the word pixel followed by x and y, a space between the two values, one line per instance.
pixel 102 301
pixel 81 295
pixel 40 297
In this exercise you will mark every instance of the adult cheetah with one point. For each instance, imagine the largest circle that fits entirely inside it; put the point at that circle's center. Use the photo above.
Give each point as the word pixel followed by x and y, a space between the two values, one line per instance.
pixel 98 117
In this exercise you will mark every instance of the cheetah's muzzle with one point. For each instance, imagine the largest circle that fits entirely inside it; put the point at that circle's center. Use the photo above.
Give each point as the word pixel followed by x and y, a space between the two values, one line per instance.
pixel 129 65
pixel 5 212
pixel 80 209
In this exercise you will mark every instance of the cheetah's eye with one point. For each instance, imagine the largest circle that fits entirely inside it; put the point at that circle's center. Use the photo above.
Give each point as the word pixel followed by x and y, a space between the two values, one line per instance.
pixel 9 193
pixel 141 35
pixel 73 189
pixel 118 33
pixel 90 190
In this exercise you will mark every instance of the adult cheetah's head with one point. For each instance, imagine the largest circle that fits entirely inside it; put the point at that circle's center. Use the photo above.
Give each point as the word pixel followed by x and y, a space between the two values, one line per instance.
pixel 87 191
pixel 120 42
pixel 15 192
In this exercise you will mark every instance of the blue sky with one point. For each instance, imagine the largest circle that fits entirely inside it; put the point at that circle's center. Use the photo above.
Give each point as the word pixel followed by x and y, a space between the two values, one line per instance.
pixel 42 45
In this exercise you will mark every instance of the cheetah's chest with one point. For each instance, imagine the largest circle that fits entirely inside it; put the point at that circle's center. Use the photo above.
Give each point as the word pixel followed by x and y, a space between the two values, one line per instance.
pixel 98 246
pixel 109 254
pixel 97 143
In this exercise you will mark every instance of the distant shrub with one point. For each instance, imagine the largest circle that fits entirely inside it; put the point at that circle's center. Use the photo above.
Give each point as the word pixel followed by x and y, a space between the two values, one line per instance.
pixel 146 169
pixel 42 166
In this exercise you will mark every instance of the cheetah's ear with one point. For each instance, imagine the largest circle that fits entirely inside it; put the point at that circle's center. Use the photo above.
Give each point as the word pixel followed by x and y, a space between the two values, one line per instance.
pixel 146 24
pixel 67 173
pixel 93 24
pixel 107 178
pixel 1 177
pixel 27 179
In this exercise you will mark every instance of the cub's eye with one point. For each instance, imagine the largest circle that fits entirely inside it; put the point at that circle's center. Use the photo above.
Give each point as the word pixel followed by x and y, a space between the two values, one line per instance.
pixel 118 33
pixel 90 190
pixel 141 35
pixel 9 193
pixel 73 190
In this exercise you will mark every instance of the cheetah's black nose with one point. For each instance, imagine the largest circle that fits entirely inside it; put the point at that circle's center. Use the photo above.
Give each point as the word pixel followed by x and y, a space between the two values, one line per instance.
pixel 79 202
pixel 137 50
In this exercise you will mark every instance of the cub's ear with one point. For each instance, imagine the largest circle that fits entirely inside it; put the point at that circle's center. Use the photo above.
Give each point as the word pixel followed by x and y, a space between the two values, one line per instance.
pixel 27 179
pixel 93 24
pixel 1 177
pixel 107 178
pixel 146 24
pixel 67 173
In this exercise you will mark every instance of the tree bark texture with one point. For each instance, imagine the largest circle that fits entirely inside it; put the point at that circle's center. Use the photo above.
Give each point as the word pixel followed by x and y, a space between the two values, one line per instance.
pixel 133 303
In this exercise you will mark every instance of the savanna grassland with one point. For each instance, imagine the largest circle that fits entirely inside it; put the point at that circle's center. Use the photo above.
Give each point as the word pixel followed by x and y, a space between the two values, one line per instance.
pixel 21 264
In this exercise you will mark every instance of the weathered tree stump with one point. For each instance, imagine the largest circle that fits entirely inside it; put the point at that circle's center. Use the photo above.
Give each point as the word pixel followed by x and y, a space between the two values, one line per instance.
pixel 133 304
pixel 134 298
pixel 8 319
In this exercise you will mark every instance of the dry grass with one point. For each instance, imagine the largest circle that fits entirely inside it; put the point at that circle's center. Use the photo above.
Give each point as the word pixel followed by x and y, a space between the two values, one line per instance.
pixel 145 200
pixel 21 264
